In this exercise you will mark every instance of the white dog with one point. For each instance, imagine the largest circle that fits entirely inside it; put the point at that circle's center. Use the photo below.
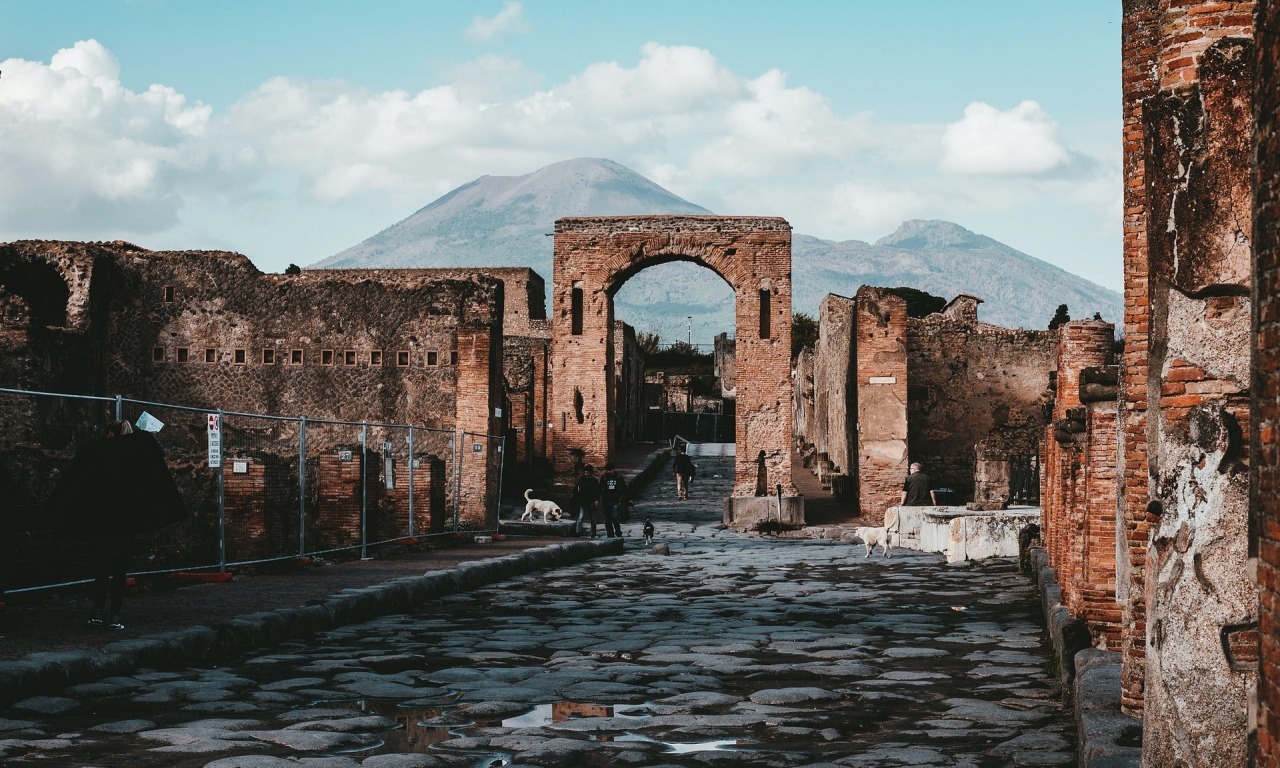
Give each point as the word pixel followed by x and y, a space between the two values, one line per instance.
pixel 549 509
pixel 874 537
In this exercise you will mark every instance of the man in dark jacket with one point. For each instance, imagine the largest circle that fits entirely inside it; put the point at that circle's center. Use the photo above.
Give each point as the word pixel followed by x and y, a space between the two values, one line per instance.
pixel 613 495
pixel 586 495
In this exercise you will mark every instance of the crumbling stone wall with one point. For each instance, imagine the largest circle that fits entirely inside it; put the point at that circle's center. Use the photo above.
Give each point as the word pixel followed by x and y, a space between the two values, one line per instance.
pixel 628 366
pixel 835 405
pixel 1201 601
pixel 971 384
pixel 595 256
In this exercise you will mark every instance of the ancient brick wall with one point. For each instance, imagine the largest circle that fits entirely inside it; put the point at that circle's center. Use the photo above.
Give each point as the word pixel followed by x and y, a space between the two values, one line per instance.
pixel 802 399
pixel 1201 600
pixel 880 399
pixel 208 329
pixel 1265 491
pixel 595 256
pixel 972 383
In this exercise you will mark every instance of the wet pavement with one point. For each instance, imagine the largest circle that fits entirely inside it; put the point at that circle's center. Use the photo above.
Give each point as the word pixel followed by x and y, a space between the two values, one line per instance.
pixel 706 648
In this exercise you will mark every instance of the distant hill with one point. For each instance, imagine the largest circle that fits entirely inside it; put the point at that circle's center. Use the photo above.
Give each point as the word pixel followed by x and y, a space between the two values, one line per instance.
pixel 504 221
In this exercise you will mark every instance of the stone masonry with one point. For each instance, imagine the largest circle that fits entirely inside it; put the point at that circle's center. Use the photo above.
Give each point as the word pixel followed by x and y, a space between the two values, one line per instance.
pixel 595 256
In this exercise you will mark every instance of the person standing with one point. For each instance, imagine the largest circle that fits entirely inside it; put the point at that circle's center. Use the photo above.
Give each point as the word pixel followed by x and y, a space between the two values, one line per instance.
pixel 115 488
pixel 613 495
pixel 683 469
pixel 587 497
pixel 918 491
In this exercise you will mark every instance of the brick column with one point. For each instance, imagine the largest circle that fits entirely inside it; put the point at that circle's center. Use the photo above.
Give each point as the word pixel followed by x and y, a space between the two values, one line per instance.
pixel 880 361
pixel 1265 485
pixel 1139 32
pixel 478 404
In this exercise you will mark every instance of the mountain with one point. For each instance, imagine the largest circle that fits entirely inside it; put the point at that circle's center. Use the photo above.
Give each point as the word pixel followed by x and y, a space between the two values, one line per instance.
pixel 503 221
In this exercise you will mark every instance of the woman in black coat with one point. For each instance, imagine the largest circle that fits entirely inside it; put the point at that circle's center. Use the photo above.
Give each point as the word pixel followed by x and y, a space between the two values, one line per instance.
pixel 115 488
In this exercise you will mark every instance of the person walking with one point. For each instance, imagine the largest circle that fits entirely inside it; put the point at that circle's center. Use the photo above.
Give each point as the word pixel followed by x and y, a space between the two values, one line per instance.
pixel 613 495
pixel 586 496
pixel 116 487
pixel 918 491
pixel 684 470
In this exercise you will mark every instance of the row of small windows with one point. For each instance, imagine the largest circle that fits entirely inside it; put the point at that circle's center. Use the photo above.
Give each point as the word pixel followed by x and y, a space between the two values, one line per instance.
pixel 347 357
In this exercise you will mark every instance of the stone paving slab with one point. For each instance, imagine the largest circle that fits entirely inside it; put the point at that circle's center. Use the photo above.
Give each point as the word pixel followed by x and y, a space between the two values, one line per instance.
pixel 707 648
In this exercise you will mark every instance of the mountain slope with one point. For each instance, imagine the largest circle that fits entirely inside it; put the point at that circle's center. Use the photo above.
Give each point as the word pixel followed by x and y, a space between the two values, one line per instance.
pixel 503 221
pixel 500 221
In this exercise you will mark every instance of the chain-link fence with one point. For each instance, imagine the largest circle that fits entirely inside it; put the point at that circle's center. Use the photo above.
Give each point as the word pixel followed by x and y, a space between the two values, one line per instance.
pixel 258 487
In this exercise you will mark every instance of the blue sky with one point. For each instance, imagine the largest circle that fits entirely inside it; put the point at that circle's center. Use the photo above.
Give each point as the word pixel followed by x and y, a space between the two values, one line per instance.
pixel 290 130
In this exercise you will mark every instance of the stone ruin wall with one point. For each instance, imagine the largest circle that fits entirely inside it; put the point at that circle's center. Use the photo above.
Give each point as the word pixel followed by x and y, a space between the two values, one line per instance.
pixel 723 363
pixel 929 390
pixel 144 323
pixel 971 385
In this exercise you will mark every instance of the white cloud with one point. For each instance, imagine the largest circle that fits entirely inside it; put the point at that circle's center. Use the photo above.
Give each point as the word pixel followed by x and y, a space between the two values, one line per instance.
pixel 79 152
pixel 1022 141
pixel 81 156
pixel 510 20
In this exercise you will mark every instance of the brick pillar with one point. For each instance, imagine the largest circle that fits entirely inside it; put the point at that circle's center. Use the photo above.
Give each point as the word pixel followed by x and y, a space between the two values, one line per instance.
pixel 880 360
pixel 1082 345
pixel 1096 588
pixel 1139 32
pixel 479 402
pixel 1265 485
pixel 245 504
pixel 835 394
pixel 1201 601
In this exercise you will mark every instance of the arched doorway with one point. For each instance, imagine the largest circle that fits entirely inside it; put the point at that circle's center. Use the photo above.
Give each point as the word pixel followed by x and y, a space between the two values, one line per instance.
pixel 594 256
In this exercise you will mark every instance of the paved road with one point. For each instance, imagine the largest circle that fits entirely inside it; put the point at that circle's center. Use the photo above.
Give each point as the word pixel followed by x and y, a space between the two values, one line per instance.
pixel 730 650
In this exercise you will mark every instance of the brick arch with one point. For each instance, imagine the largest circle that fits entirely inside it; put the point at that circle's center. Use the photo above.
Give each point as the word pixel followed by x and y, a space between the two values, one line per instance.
pixel 594 256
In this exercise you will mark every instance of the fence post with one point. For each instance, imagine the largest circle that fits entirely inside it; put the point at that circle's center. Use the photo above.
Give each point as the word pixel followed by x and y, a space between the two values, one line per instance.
pixel 412 463
pixel 457 439
pixel 502 467
pixel 222 506
pixel 302 486
pixel 364 493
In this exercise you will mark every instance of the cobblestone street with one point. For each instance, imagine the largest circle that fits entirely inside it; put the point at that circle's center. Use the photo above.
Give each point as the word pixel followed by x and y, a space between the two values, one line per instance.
pixel 729 650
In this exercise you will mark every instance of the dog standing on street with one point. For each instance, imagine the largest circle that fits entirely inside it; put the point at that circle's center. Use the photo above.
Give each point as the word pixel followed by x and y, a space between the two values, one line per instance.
pixel 874 537
pixel 549 509
pixel 648 532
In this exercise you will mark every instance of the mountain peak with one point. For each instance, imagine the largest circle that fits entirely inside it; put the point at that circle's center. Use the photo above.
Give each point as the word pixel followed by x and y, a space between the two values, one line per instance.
pixel 930 234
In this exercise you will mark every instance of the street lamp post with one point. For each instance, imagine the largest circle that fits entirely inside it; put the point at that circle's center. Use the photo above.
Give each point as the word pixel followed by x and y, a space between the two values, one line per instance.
pixel 689 323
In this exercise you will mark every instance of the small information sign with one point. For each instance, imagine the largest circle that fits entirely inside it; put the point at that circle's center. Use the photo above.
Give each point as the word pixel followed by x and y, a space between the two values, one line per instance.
pixel 215 440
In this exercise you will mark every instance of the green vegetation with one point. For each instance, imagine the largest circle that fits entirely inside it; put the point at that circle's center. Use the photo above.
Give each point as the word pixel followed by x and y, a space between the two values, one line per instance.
pixel 804 333
pixel 920 303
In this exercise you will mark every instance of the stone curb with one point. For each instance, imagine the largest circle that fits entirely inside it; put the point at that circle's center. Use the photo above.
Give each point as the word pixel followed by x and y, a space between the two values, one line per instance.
pixel 48 673
pixel 1106 738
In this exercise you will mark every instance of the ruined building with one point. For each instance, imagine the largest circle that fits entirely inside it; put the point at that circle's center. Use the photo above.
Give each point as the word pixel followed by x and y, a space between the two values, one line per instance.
pixel 882 390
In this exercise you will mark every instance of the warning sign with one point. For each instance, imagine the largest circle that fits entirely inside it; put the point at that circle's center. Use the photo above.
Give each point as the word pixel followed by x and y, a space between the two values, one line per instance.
pixel 215 440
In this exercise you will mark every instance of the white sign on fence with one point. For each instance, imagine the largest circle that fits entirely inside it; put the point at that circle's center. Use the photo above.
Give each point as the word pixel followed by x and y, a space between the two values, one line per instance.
pixel 215 441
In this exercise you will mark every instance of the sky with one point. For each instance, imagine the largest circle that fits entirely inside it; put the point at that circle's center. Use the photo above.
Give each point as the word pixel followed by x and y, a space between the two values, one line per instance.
pixel 290 130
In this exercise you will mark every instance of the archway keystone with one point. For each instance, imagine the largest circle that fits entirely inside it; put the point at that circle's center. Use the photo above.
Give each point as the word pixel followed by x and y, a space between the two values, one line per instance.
pixel 594 256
